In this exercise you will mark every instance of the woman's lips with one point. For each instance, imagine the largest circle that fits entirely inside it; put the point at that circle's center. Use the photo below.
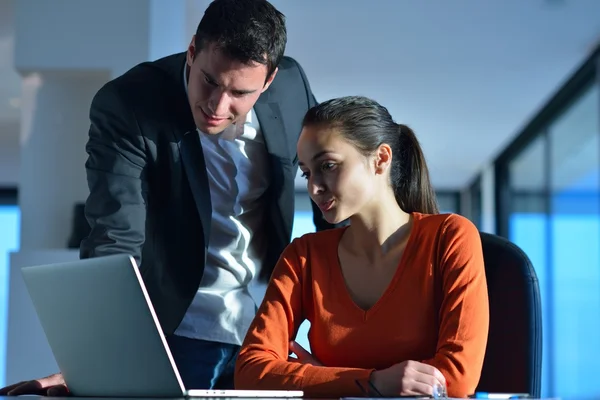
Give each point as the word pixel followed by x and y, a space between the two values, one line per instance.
pixel 326 205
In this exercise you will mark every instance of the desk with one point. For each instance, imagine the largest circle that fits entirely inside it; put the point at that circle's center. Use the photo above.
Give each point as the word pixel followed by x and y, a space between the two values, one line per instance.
pixel 31 397
pixel 35 397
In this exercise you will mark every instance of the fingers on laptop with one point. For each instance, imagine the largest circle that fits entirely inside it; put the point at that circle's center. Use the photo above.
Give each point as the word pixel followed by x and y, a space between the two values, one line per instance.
pixel 53 385
pixel 5 390
pixel 35 388
pixel 58 390
pixel 24 387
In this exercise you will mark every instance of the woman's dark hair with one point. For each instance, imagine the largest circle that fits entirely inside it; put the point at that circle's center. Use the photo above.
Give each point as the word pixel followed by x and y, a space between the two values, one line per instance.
pixel 245 30
pixel 367 125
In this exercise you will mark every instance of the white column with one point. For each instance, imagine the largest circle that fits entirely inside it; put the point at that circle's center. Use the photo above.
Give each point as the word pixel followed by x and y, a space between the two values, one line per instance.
pixel 65 50
pixel 54 131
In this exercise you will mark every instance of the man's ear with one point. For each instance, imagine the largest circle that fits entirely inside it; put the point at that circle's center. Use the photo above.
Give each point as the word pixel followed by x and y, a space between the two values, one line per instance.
pixel 191 52
pixel 268 83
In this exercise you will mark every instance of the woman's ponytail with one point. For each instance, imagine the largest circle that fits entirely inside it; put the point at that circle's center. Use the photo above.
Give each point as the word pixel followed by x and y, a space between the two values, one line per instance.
pixel 412 185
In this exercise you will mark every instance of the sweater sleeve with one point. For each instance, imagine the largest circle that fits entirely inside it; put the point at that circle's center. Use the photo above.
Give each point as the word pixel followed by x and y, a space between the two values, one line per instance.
pixel 263 363
pixel 464 312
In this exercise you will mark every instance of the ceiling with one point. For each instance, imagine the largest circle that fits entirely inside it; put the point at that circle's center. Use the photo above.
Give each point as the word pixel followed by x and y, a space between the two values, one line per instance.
pixel 466 75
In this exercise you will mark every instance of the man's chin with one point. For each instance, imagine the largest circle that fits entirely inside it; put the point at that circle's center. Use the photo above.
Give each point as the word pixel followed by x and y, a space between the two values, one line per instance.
pixel 213 129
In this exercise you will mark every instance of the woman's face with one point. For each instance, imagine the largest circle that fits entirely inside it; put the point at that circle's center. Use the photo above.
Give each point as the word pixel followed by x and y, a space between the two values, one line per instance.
pixel 340 180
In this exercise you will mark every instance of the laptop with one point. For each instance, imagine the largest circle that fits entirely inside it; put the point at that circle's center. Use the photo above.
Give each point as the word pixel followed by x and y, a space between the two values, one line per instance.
pixel 104 333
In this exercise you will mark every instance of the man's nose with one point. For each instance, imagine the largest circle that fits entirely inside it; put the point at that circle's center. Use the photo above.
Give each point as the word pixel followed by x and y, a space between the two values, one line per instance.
pixel 219 104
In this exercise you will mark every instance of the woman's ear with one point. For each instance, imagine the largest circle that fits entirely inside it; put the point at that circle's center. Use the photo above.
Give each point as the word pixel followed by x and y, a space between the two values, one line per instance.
pixel 383 159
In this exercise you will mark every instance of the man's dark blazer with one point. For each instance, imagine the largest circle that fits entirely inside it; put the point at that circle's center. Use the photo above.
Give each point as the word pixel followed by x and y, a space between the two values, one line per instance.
pixel 149 194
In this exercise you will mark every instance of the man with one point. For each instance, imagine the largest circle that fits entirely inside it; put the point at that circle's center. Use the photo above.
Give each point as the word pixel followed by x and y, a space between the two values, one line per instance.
pixel 191 169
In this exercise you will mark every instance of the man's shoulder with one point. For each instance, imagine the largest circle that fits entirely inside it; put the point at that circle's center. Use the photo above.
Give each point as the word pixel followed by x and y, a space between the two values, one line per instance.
pixel 288 63
pixel 289 76
pixel 148 80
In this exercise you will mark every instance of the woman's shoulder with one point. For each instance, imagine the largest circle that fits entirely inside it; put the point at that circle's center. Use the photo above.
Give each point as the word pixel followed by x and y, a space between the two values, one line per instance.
pixel 447 223
pixel 313 248
pixel 328 238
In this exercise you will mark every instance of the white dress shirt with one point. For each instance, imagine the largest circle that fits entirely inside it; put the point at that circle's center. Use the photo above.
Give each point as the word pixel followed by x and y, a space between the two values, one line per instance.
pixel 238 175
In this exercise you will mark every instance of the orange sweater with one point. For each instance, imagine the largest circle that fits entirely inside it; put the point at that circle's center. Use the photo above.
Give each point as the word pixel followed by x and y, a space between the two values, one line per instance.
pixel 435 310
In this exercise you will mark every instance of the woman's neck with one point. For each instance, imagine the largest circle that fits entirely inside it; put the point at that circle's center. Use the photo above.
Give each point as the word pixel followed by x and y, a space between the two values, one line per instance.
pixel 376 233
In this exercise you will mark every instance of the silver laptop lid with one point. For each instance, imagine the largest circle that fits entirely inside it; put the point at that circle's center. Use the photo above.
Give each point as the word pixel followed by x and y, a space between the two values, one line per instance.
pixel 102 328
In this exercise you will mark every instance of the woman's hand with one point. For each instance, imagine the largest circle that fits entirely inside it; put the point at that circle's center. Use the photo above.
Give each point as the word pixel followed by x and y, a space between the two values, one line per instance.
pixel 302 356
pixel 408 378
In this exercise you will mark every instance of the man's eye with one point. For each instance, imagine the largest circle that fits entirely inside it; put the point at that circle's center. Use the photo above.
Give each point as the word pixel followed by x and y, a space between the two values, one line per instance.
pixel 209 81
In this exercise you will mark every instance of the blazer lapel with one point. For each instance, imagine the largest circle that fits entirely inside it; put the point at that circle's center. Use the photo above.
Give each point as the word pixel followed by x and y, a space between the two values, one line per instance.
pixel 195 169
pixel 273 129
pixel 282 171
pixel 188 141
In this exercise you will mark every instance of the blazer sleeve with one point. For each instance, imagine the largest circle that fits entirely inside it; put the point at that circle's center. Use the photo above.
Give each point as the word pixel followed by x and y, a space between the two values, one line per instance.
pixel 263 364
pixel 116 175
pixel 318 220
pixel 464 310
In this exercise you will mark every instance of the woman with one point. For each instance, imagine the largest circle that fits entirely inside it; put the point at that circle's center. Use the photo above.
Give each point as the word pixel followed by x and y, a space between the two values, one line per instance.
pixel 397 300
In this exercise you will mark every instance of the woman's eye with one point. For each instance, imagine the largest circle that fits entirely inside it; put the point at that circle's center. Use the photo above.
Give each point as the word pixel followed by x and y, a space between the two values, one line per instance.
pixel 327 166
pixel 305 175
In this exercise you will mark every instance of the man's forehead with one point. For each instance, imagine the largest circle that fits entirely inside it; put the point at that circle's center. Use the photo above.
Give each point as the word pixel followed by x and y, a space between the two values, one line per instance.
pixel 215 54
pixel 214 61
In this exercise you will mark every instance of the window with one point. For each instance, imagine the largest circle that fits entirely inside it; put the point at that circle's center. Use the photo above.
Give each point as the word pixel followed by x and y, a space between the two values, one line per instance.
pixel 475 210
pixel 528 228
pixel 448 202
pixel 548 203
pixel 9 242
pixel 574 207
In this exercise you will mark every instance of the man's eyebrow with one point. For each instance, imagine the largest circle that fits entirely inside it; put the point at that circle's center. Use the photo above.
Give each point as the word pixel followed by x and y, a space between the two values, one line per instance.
pixel 209 76
pixel 236 91
pixel 243 91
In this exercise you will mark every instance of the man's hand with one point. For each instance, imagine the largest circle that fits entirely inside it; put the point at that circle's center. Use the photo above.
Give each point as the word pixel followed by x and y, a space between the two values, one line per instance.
pixel 302 355
pixel 53 385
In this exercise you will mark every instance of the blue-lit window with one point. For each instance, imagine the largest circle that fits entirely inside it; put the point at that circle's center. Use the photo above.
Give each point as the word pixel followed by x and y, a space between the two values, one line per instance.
pixel 555 219
pixel 9 242
pixel 574 206
pixel 528 228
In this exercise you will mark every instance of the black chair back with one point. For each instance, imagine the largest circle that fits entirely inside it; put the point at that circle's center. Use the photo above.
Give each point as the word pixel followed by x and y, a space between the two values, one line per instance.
pixel 513 359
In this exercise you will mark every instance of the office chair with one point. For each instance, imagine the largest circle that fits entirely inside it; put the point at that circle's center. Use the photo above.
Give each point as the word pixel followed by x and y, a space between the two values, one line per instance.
pixel 513 358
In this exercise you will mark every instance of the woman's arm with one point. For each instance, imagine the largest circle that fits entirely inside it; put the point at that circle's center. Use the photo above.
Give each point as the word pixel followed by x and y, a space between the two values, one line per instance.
pixel 464 313
pixel 263 360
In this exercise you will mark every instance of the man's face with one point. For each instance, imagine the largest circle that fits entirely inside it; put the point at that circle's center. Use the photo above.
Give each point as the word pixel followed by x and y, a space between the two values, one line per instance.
pixel 221 91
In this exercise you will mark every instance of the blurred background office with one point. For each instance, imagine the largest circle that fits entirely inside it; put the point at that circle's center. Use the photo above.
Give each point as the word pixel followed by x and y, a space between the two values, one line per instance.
pixel 503 94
